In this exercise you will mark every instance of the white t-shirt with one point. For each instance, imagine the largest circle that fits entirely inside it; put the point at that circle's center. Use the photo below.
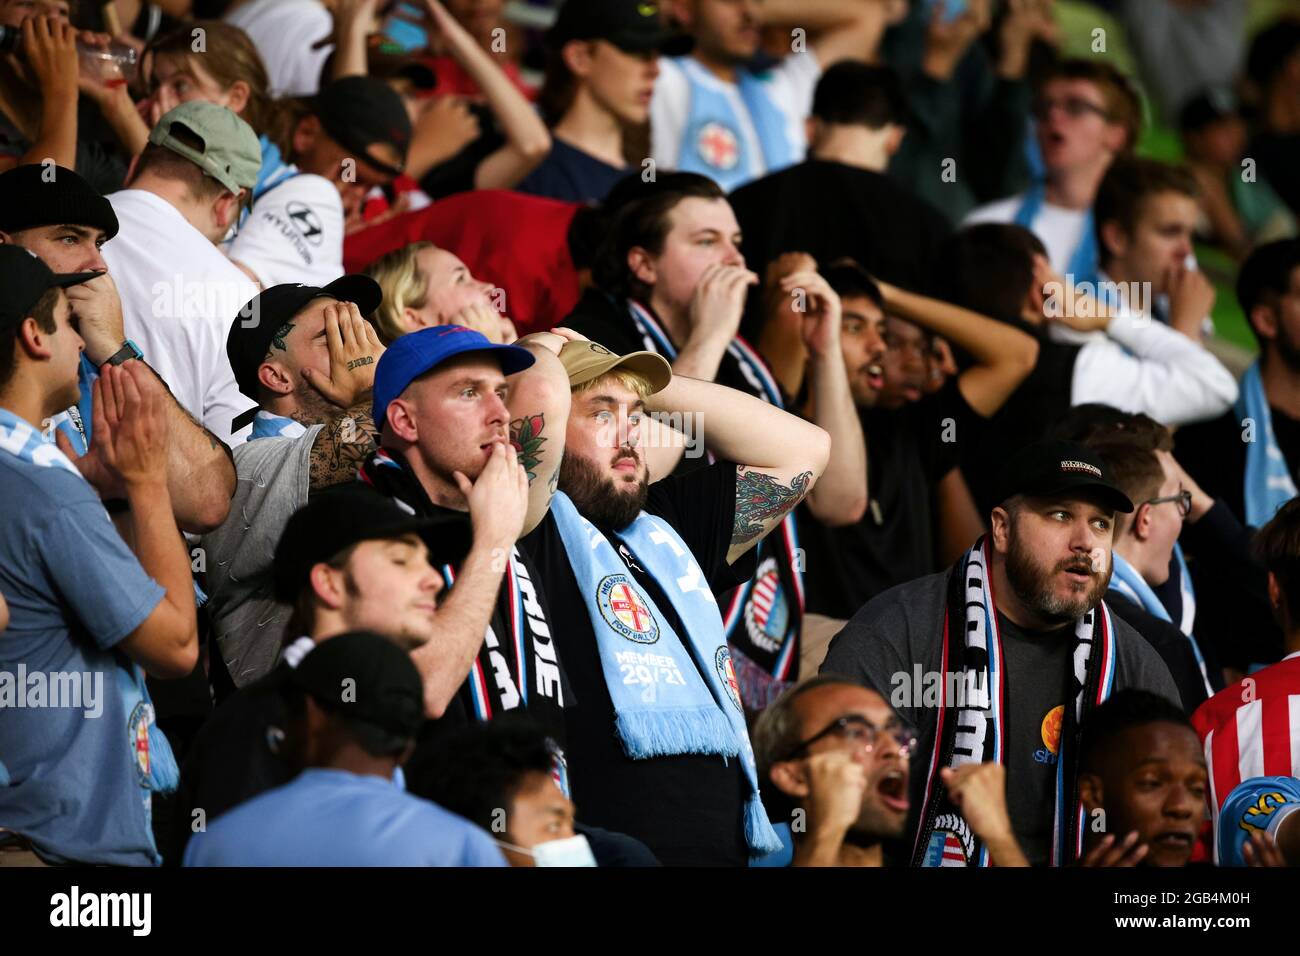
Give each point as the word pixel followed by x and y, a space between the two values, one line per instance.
pixel 179 298
pixel 284 32
pixel 294 233
pixel 791 86
pixel 1060 229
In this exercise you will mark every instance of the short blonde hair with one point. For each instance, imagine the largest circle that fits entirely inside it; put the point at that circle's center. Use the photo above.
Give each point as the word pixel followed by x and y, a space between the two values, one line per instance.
pixel 629 380
pixel 403 287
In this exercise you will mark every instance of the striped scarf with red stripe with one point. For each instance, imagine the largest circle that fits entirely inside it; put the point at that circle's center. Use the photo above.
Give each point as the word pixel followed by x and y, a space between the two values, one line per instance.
pixel 972 729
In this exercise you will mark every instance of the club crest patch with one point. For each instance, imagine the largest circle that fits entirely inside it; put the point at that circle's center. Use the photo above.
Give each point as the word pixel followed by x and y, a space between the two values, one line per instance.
pixel 727 674
pixel 767 613
pixel 625 609
pixel 718 146
pixel 138 730
pixel 951 843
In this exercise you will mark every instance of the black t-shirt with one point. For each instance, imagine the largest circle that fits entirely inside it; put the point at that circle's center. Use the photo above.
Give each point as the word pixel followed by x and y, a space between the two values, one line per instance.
pixel 1038 683
pixel 894 541
pixel 688 809
pixel 1170 643
pixel 571 175
pixel 986 444
pixel 831 210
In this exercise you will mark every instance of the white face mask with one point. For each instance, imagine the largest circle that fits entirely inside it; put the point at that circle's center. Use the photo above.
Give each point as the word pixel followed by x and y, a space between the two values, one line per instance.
pixel 572 851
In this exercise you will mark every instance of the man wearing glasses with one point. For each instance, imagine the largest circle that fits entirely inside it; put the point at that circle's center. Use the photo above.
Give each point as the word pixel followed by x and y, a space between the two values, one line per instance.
pixel 836 755
pixel 1144 468
pixel 1086 114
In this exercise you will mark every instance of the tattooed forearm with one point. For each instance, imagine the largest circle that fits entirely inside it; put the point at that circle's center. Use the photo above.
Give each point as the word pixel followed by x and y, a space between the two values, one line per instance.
pixel 761 499
pixel 341 447
pixel 526 436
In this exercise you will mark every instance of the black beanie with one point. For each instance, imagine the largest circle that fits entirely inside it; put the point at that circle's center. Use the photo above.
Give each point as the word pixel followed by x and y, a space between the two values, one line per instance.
pixel 39 195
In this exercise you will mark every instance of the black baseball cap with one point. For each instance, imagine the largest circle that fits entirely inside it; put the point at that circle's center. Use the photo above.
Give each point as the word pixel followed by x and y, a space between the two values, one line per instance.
pixel 40 195
pixel 631 25
pixel 348 514
pixel 367 679
pixel 359 112
pixel 263 315
pixel 24 278
pixel 1055 467
pixel 1209 106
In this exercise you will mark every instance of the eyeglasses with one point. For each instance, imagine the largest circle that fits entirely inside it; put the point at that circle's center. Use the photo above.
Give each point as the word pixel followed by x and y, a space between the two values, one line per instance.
pixel 857 730
pixel 1184 499
pixel 1074 107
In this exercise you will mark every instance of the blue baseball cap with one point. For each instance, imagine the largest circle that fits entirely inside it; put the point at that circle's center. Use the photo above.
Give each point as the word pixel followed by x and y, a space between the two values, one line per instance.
pixel 416 353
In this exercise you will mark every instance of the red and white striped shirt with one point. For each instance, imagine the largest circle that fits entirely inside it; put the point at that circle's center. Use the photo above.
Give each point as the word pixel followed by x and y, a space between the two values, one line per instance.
pixel 1252 729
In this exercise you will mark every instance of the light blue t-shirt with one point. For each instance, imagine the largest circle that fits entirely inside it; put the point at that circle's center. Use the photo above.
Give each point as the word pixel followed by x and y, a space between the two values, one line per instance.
pixel 70 778
pixel 1257 804
pixel 329 817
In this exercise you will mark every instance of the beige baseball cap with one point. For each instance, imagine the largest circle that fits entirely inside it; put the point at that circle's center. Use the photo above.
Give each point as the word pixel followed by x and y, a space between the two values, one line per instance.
pixel 585 361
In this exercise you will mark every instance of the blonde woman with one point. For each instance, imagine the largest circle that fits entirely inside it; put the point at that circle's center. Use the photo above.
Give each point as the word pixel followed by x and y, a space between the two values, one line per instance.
pixel 424 285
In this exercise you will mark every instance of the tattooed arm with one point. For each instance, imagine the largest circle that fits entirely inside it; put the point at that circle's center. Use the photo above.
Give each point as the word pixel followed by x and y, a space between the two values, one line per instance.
pixel 342 445
pixel 539 402
pixel 779 456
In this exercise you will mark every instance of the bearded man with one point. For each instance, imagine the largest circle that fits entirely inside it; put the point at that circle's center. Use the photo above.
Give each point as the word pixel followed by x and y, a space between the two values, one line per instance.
pixel 1002 656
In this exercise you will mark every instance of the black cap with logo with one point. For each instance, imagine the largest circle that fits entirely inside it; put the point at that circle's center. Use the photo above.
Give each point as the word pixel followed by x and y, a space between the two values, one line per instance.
pixel 24 278
pixel 348 514
pixel 1053 467
pixel 631 25
pixel 367 679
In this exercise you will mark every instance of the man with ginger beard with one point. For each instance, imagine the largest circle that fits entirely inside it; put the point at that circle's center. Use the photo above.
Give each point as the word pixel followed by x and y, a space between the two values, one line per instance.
pixel 657 743
pixel 965 655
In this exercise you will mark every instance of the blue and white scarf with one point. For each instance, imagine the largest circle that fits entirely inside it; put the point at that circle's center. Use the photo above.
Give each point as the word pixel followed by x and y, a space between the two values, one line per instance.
pixel 1083 265
pixel 151 752
pixel 713 141
pixel 1127 581
pixel 663 705
pixel 1268 483
pixel 269 425
pixel 972 729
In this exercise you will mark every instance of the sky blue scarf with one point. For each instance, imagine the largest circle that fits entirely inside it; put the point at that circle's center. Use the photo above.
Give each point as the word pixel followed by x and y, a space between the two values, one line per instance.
pixel 661 703
pixel 269 425
pixel 1268 480
pixel 1083 263
pixel 158 765
pixel 1127 581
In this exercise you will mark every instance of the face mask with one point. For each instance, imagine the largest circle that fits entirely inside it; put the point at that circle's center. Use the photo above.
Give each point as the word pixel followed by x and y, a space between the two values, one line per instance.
pixel 573 851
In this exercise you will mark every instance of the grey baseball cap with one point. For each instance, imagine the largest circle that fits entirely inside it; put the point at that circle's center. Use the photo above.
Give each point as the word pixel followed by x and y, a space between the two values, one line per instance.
pixel 214 139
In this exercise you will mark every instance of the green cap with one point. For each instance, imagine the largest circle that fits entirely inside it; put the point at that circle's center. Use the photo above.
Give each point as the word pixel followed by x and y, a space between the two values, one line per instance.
pixel 214 139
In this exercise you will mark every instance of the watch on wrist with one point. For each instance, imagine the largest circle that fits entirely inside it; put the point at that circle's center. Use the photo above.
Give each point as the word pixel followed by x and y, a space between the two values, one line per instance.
pixel 128 351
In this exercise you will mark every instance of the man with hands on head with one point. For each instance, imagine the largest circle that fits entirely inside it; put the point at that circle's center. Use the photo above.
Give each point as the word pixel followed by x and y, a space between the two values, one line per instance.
pixel 308 357
pixel 837 750
pixel 65 222
pixel 80 601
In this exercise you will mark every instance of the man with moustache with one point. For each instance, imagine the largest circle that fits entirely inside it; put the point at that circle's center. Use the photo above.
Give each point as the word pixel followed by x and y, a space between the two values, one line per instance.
pixel 1015 648
pixel 838 751
pixel 658 746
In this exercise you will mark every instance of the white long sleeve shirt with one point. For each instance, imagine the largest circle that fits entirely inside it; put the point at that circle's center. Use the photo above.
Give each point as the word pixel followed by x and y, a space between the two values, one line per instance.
pixel 1141 365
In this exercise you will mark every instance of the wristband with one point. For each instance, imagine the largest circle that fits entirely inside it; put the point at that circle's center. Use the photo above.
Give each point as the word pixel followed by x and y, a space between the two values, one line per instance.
pixel 128 351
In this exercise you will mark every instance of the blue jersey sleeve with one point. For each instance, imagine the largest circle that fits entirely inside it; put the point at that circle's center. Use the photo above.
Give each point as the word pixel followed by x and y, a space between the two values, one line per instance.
pixel 1259 804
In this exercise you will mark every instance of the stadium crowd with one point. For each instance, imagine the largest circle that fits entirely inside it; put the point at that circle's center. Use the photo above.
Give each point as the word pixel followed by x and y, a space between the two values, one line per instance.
pixel 619 433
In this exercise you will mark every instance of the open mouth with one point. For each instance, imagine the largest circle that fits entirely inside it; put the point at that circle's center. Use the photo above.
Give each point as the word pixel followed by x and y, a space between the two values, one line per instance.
pixel 1173 840
pixel 893 791
pixel 875 376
